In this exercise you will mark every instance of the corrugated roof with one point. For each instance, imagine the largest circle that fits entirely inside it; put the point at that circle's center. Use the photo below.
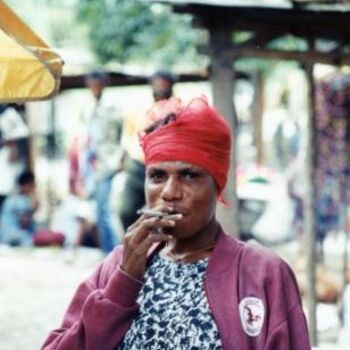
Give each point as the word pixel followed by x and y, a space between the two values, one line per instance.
pixel 319 5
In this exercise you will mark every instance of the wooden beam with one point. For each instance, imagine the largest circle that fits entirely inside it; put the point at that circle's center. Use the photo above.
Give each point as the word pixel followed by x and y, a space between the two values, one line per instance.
pixel 313 56
pixel 258 112
pixel 239 14
pixel 259 39
pixel 327 24
pixel 121 79
pixel 298 28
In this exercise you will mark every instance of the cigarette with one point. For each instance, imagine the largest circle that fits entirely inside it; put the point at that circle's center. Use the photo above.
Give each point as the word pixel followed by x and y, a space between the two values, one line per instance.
pixel 152 213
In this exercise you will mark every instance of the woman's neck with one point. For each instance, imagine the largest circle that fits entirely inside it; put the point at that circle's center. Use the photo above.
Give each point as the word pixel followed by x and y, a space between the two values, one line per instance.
pixel 201 240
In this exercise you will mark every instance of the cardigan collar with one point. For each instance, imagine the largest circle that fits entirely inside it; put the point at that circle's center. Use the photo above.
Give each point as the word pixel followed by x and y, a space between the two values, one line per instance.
pixel 225 250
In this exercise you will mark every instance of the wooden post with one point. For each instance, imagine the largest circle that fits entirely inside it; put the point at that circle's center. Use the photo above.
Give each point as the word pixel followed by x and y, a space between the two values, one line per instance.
pixel 310 206
pixel 258 112
pixel 345 261
pixel 51 153
pixel 222 78
pixel 29 156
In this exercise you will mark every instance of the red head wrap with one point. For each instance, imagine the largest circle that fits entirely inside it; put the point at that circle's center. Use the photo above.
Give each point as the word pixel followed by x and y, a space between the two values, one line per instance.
pixel 197 134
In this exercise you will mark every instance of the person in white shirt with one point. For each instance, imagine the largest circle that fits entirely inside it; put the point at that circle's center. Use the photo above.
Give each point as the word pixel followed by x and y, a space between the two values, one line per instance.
pixel 102 156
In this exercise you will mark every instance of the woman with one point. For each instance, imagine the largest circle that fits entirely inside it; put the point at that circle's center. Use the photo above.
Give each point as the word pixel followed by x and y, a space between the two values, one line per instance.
pixel 180 282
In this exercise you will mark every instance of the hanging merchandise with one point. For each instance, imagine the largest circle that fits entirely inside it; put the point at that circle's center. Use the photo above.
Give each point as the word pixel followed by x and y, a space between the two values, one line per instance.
pixel 332 97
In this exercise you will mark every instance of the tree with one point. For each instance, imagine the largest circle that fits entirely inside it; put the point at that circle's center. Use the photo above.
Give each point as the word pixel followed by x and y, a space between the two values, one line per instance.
pixel 53 20
pixel 131 30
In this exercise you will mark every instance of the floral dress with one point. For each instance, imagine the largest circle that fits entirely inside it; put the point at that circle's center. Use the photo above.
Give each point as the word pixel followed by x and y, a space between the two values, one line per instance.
pixel 174 312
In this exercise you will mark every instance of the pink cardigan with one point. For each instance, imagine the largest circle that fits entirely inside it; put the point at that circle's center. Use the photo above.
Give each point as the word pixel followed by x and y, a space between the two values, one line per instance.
pixel 252 293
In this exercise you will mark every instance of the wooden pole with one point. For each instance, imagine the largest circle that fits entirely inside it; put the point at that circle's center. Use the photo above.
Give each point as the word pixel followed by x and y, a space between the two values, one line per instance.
pixel 344 217
pixel 310 205
pixel 222 79
pixel 51 153
pixel 29 156
pixel 345 261
pixel 258 111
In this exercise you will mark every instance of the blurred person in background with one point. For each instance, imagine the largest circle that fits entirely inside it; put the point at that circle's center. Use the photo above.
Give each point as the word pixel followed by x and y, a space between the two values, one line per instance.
pixel 11 166
pixel 162 83
pixel 17 225
pixel 132 195
pixel 101 155
pixel 11 162
pixel 76 219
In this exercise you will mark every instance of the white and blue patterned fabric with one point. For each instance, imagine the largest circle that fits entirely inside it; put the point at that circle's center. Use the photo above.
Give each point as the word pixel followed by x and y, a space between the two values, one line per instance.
pixel 174 313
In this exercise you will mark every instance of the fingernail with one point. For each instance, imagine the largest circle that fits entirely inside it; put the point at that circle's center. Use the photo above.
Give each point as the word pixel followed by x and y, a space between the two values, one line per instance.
pixel 176 216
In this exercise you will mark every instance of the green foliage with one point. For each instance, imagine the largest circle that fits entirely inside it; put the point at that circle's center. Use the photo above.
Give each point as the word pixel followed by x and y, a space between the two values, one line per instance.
pixel 289 43
pixel 269 67
pixel 54 20
pixel 130 30
pixel 241 36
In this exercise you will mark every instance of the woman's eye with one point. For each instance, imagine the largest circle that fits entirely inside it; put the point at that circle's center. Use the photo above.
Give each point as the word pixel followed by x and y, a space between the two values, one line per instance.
pixel 190 175
pixel 156 175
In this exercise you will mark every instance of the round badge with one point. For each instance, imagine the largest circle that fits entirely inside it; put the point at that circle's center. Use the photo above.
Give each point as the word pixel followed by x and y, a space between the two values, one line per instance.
pixel 252 313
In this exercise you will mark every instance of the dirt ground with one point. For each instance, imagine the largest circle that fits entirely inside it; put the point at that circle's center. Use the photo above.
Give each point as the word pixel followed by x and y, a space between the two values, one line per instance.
pixel 35 288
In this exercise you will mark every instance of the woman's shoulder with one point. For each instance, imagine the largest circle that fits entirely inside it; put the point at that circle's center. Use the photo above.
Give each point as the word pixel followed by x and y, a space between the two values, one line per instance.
pixel 256 258
pixel 255 250
pixel 261 264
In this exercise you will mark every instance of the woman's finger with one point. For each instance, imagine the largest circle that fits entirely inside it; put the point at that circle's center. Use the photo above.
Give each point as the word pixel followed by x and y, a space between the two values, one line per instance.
pixel 143 247
pixel 152 225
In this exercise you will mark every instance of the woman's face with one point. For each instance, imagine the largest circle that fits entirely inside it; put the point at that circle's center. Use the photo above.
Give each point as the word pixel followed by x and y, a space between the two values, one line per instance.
pixel 181 187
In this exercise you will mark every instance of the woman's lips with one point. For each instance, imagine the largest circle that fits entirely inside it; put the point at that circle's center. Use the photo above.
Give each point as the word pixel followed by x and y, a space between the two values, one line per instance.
pixel 173 211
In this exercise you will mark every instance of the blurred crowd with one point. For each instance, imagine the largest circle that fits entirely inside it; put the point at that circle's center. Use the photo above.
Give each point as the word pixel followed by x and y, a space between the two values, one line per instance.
pixel 106 176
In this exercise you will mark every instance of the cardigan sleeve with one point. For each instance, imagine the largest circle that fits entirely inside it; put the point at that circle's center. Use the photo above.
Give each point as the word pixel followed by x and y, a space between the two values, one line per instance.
pixel 290 334
pixel 270 279
pixel 287 327
pixel 287 324
pixel 98 316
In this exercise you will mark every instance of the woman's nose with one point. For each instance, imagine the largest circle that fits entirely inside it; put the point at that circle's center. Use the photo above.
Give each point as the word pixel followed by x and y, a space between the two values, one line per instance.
pixel 172 190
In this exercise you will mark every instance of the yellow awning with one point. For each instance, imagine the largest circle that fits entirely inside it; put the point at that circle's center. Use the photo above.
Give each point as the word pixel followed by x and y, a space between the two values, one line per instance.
pixel 29 69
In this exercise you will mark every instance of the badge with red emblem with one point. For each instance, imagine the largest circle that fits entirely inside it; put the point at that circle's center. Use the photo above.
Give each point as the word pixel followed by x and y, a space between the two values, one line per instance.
pixel 252 314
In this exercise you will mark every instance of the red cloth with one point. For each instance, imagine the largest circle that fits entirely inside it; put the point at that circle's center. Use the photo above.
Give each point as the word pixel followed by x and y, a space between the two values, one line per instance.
pixel 47 237
pixel 197 135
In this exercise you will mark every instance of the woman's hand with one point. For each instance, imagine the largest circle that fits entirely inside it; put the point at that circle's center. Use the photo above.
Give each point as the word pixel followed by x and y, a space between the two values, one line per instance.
pixel 140 237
